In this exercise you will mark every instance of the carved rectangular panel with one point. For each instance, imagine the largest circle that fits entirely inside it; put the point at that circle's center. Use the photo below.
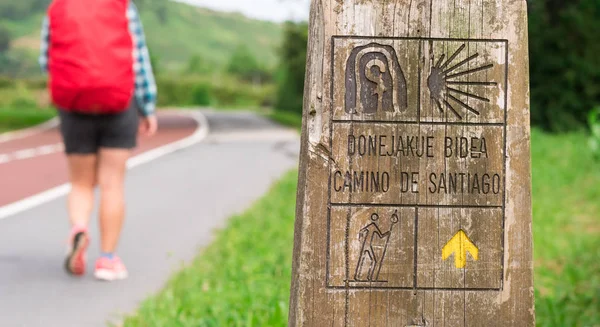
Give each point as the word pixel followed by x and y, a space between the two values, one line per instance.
pixel 414 200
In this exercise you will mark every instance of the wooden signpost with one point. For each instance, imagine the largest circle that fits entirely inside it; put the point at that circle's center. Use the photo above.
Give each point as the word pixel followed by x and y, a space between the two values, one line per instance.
pixel 414 202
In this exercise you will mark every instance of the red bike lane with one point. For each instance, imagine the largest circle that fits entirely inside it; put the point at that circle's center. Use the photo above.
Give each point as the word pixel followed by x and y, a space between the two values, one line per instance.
pixel 36 163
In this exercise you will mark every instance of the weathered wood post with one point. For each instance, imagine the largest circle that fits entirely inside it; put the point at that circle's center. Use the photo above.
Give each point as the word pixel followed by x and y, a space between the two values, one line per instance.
pixel 414 203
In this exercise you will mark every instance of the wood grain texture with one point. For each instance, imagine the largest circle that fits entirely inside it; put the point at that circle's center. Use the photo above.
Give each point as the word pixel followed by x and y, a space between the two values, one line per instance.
pixel 415 129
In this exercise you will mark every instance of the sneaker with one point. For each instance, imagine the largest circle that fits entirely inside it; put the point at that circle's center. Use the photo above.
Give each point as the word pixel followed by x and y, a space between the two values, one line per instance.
pixel 75 263
pixel 110 270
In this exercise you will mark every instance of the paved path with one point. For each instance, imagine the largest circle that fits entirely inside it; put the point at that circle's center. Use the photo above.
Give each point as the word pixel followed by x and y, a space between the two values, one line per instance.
pixel 174 205
pixel 35 163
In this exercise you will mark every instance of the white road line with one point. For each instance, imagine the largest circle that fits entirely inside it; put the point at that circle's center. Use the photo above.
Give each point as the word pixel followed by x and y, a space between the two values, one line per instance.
pixel 30 153
pixel 24 154
pixel 33 201
pixel 56 192
pixel 10 136
pixel 48 149
pixel 199 135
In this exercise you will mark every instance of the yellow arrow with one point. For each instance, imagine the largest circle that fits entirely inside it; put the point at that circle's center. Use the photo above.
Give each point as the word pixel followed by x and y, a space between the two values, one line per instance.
pixel 460 244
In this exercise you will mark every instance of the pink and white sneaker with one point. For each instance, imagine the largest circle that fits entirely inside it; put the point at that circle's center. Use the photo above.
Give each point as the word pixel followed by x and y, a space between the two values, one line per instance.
pixel 76 261
pixel 110 270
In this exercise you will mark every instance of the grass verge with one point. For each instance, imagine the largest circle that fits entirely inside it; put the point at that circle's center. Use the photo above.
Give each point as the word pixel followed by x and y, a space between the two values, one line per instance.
pixel 566 210
pixel 13 119
pixel 289 119
pixel 243 278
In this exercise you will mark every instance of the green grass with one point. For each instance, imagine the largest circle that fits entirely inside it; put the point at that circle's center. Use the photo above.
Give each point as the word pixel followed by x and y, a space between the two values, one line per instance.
pixel 566 207
pixel 19 107
pixel 17 118
pixel 290 119
pixel 243 278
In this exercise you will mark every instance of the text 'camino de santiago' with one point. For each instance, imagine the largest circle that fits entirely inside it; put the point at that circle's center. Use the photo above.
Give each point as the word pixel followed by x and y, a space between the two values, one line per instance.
pixel 403 148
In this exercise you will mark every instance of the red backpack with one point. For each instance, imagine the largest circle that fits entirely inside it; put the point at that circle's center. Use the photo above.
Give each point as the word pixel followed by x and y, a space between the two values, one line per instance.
pixel 90 54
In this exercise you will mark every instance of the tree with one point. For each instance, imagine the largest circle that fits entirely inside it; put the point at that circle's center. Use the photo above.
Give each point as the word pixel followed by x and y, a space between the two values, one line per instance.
pixel 292 67
pixel 564 47
pixel 197 65
pixel 244 65
pixel 5 39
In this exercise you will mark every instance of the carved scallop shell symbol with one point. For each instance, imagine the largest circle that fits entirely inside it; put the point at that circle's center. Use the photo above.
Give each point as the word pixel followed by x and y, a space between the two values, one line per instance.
pixel 443 83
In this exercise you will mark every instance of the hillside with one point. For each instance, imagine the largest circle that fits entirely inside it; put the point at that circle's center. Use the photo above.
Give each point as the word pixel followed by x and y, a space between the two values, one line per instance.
pixel 176 32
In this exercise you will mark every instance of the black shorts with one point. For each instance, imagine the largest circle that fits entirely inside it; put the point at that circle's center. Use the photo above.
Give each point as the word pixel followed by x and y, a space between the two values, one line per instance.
pixel 87 133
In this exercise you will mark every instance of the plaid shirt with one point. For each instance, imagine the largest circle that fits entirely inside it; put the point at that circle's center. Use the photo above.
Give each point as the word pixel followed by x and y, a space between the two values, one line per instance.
pixel 145 85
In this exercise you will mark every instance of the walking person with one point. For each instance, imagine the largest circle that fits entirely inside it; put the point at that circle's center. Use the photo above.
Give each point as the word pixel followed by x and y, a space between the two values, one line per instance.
pixel 102 84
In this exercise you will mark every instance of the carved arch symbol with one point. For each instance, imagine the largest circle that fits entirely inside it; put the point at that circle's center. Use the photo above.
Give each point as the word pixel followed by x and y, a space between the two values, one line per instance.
pixel 362 93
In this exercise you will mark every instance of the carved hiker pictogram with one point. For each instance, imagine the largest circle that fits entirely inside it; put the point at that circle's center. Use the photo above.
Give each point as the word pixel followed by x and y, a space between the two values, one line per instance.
pixel 374 246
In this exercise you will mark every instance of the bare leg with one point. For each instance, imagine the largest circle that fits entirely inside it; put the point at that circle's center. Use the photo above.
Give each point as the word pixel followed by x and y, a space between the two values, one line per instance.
pixel 82 174
pixel 111 179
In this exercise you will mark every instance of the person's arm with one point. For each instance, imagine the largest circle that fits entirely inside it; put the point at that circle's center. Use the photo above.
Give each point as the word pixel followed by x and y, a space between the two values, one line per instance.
pixel 45 44
pixel 145 85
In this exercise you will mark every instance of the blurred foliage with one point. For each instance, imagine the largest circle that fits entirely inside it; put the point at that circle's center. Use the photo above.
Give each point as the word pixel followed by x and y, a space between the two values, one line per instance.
pixel 565 65
pixel 212 90
pixel 5 39
pixel 244 65
pixel 22 98
pixel 287 118
pixel 15 62
pixel 229 63
pixel 29 83
pixel 594 125
pixel 174 31
pixel 155 62
pixel 22 94
pixel 14 10
pixel 198 65
pixel 201 95
pixel 293 67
